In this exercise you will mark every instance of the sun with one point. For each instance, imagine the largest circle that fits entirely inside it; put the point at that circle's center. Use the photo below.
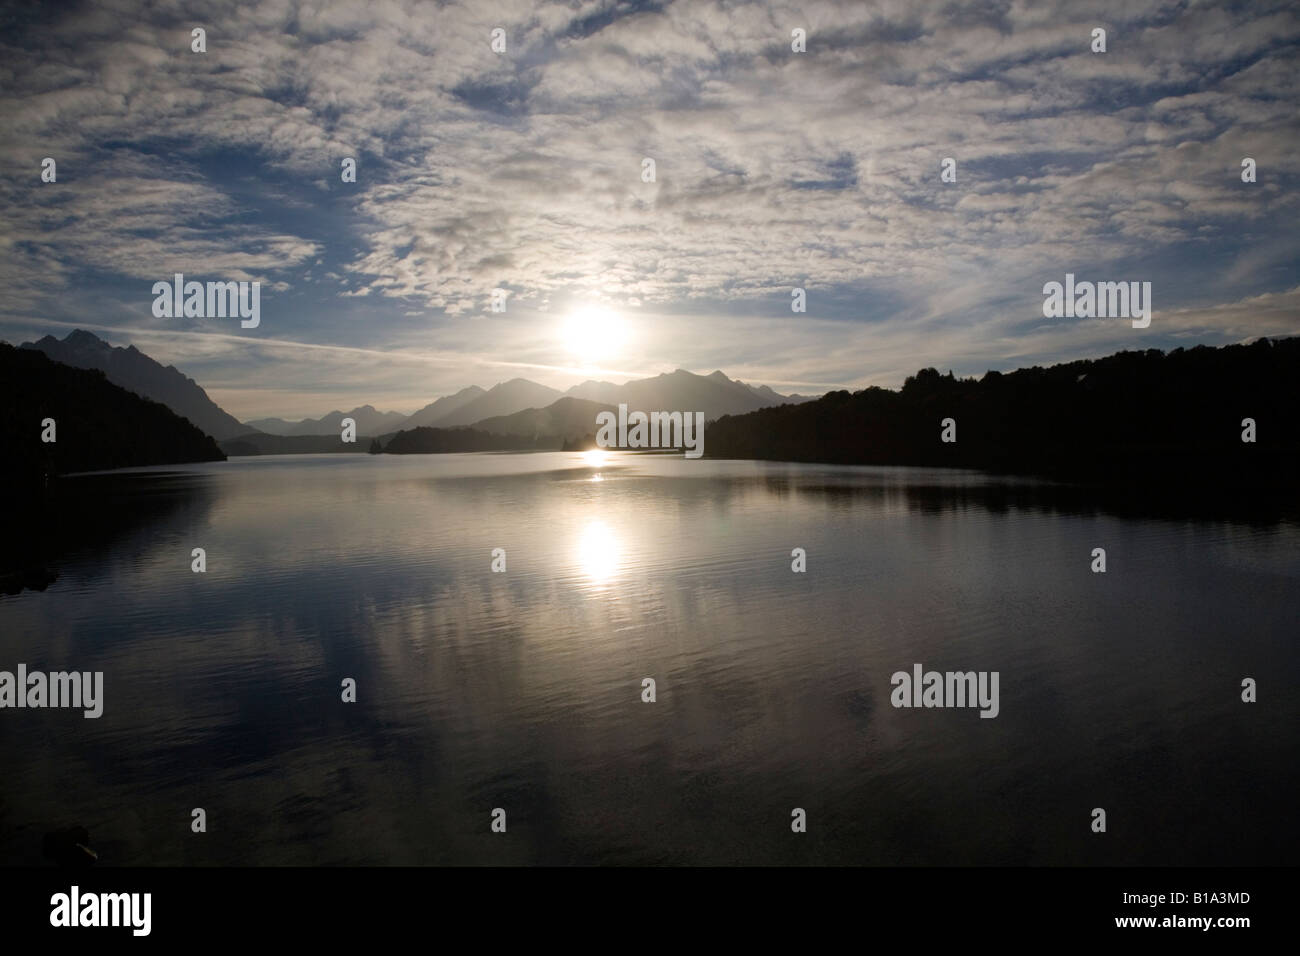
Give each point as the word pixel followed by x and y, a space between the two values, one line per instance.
pixel 594 334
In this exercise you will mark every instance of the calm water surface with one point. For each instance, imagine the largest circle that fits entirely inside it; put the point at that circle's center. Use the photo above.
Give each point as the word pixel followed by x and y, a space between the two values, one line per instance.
pixel 522 690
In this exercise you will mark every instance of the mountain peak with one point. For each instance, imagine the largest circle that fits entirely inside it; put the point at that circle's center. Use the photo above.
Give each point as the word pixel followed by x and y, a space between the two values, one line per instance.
pixel 135 371
pixel 83 339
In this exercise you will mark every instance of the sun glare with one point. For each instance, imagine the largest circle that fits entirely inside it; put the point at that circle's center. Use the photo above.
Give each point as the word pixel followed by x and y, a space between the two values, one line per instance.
pixel 598 552
pixel 594 334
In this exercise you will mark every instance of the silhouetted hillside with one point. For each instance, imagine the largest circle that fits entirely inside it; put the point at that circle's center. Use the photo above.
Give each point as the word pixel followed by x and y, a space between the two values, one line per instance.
pixel 568 418
pixel 98 425
pixel 1132 418
pixel 431 414
pixel 430 441
pixel 137 372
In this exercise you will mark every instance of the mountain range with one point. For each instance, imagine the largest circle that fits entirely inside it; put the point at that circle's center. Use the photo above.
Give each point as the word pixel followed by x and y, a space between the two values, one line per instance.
pixel 473 404
pixel 515 407
pixel 443 407
pixel 370 421
pixel 566 418
pixel 1203 418
pixel 714 394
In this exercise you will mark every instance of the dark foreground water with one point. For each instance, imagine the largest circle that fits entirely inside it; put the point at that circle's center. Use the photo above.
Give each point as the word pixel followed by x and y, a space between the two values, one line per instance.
pixel 522 690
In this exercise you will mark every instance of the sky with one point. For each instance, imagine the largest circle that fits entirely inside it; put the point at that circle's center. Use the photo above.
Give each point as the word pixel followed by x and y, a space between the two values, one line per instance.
pixel 522 170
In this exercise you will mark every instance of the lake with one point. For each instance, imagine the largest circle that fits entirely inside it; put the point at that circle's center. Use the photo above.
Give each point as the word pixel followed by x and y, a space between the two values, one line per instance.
pixel 523 690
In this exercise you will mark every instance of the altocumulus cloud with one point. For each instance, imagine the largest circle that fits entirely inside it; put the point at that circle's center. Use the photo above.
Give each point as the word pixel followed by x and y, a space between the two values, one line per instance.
pixel 774 169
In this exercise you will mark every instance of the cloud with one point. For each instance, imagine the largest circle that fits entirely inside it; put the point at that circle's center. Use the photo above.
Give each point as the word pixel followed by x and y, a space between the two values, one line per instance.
pixel 522 171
